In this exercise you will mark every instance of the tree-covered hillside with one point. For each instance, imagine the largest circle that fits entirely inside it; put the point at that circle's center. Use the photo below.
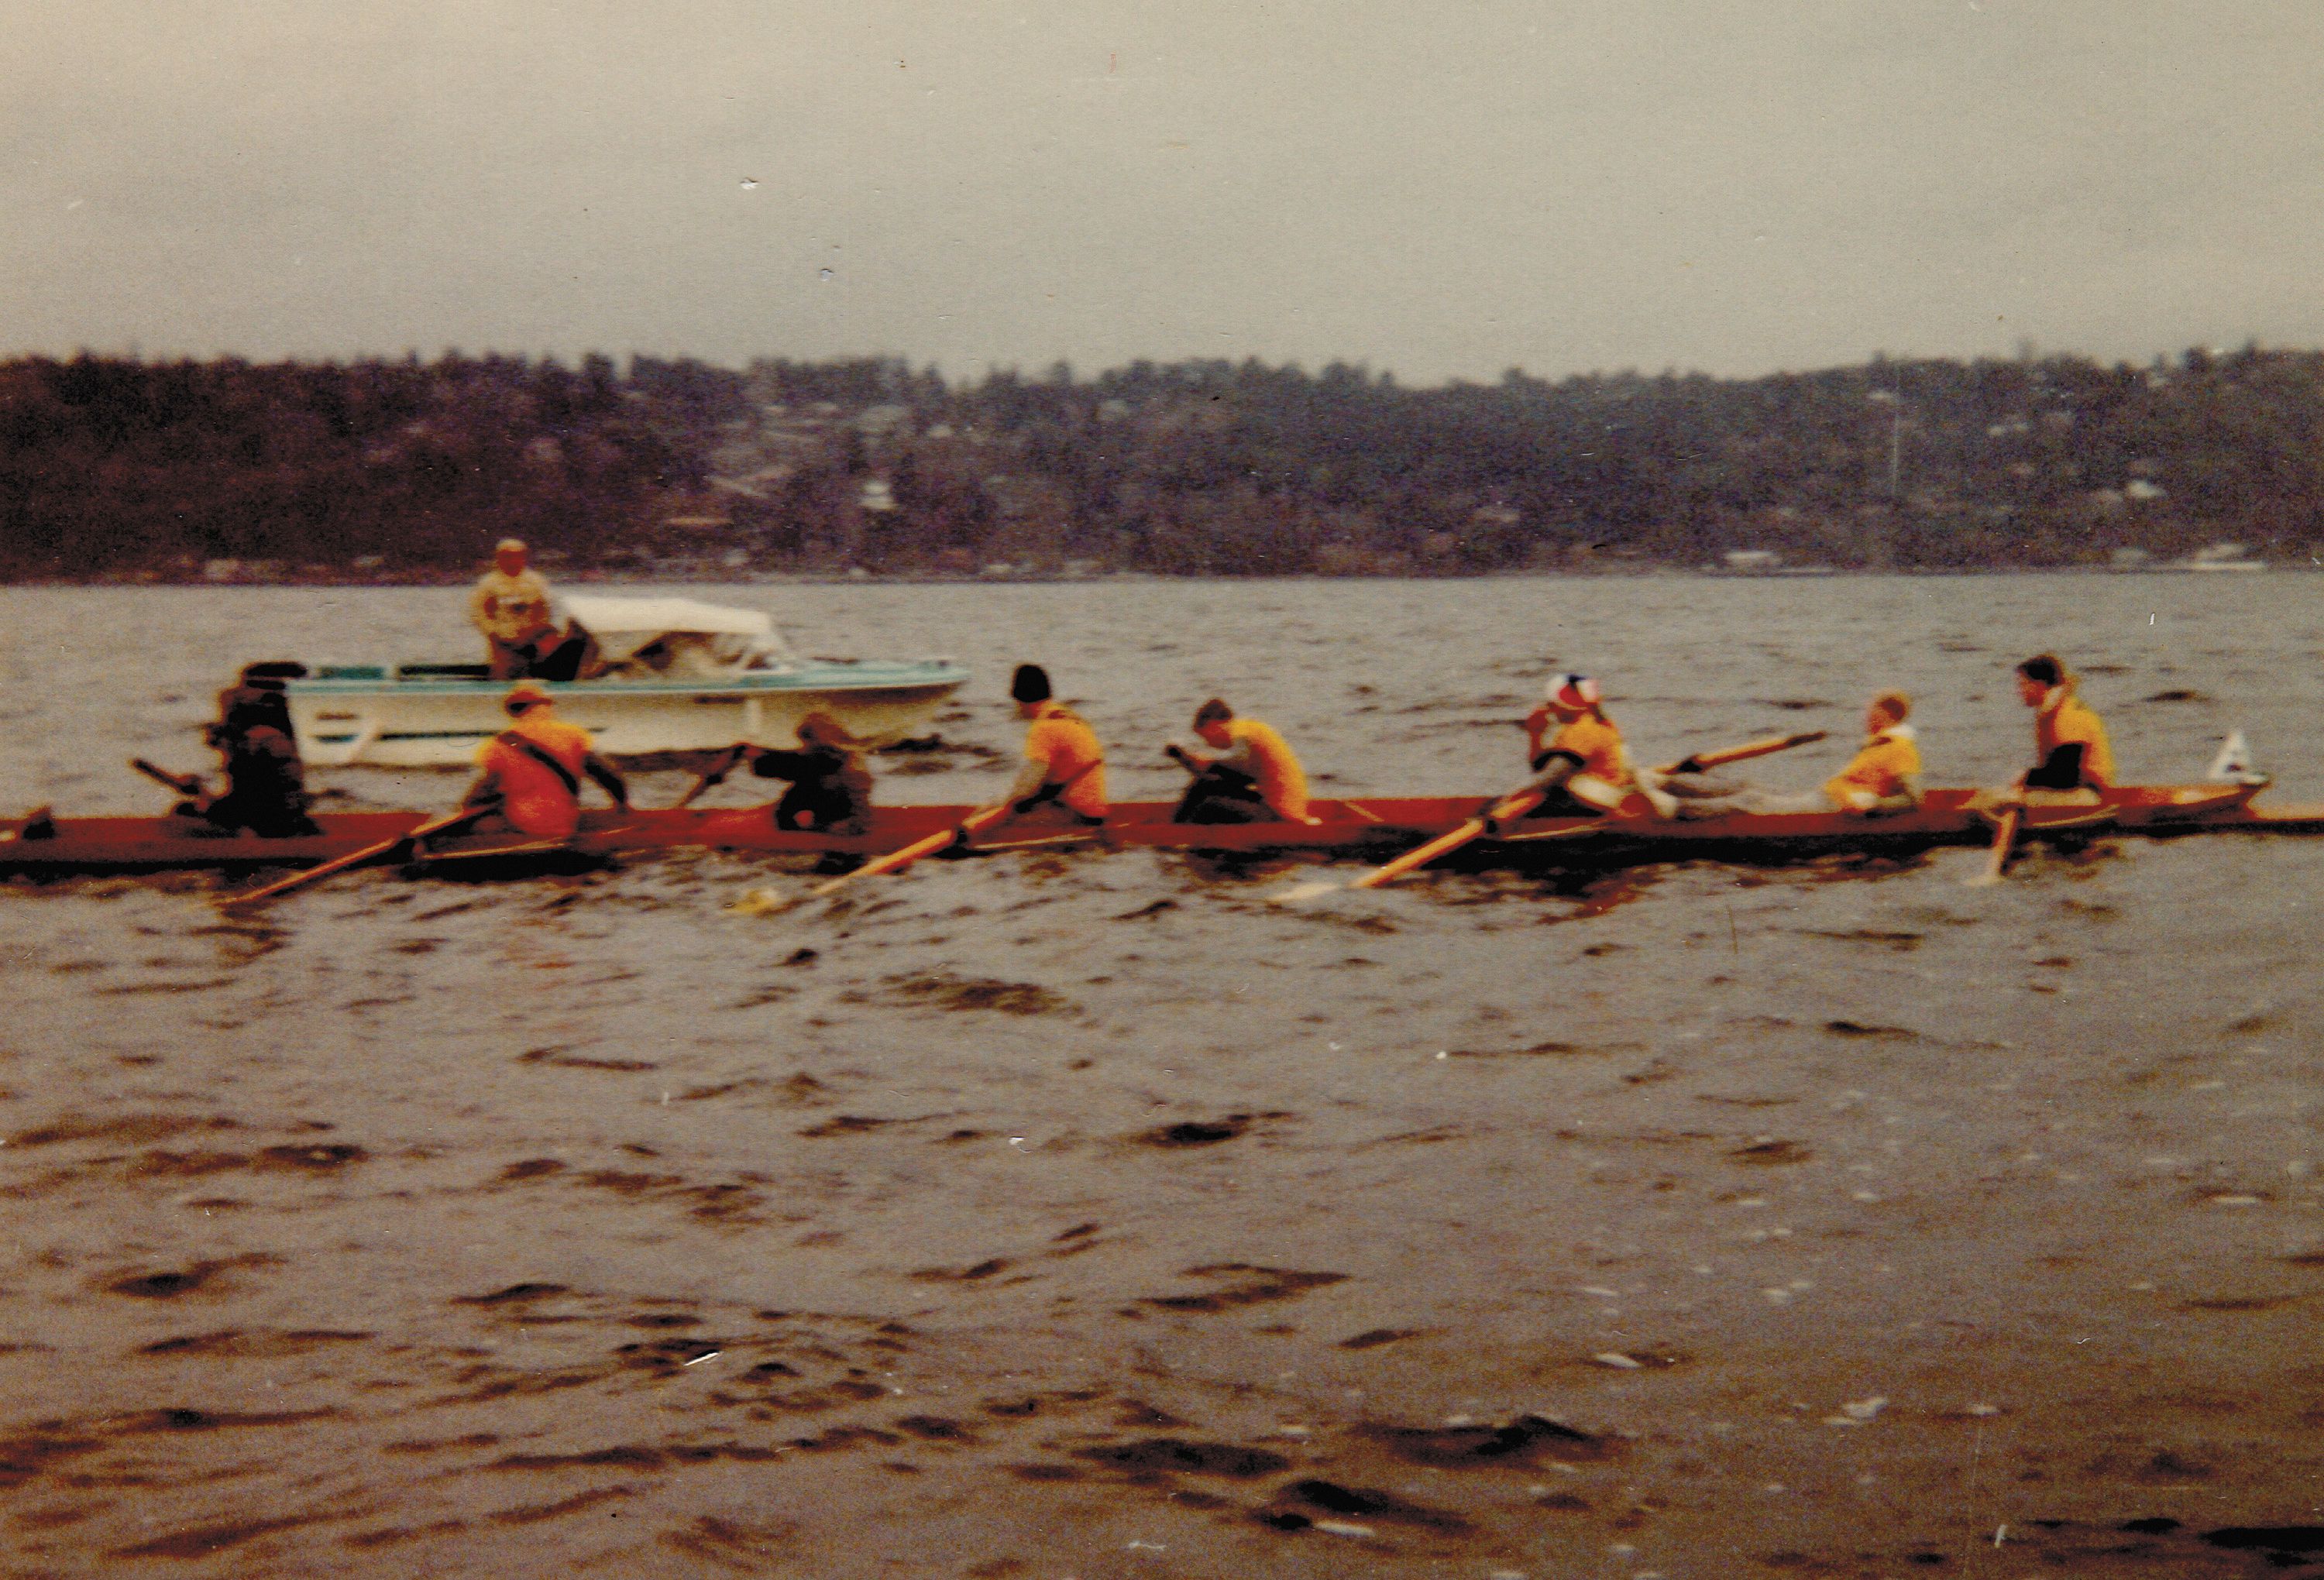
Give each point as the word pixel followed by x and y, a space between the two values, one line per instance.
pixel 389 469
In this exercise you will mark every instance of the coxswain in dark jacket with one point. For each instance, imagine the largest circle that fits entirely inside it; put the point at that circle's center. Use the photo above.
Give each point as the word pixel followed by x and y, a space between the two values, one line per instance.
pixel 265 781
pixel 830 787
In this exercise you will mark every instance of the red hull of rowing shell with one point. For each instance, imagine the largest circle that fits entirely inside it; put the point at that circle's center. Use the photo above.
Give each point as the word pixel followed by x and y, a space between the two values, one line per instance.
pixel 1372 826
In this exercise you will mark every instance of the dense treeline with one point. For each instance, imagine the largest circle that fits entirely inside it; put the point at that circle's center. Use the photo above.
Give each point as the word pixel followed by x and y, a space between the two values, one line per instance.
pixel 112 467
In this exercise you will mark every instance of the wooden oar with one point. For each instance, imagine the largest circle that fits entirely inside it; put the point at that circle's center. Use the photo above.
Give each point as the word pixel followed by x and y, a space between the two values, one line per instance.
pixel 449 822
pixel 762 902
pixel 715 773
pixel 2004 834
pixel 1517 804
pixel 183 784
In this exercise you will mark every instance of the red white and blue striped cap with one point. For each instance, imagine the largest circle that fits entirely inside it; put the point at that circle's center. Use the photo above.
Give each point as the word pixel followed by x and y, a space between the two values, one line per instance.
pixel 1576 693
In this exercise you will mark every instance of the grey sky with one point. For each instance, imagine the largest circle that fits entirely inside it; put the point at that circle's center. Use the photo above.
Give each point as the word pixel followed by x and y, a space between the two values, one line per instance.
pixel 1441 190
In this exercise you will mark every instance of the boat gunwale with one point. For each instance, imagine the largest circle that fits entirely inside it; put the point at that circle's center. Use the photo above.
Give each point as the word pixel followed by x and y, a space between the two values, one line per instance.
pixel 1379 823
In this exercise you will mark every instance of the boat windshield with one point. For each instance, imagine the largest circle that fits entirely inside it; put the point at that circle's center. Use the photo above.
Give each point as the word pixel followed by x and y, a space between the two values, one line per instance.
pixel 676 637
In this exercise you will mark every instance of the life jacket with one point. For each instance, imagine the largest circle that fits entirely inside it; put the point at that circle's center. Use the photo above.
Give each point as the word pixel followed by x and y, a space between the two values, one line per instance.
pixel 537 764
pixel 2064 719
pixel 1282 783
pixel 1072 760
pixel 1592 741
pixel 1884 767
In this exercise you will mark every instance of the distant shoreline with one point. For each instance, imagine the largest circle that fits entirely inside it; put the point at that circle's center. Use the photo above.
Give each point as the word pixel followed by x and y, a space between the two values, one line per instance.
pixel 702 577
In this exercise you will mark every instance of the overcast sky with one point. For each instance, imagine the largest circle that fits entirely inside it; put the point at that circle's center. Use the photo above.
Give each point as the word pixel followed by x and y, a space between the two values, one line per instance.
pixel 1441 190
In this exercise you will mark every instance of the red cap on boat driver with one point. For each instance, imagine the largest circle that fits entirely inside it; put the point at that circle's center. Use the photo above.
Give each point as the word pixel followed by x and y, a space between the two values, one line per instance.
pixel 1576 693
pixel 524 694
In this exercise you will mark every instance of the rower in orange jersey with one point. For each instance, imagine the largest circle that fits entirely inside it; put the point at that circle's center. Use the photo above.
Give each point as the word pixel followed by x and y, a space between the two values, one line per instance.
pixel 529 773
pixel 1063 775
pixel 1583 766
pixel 1253 776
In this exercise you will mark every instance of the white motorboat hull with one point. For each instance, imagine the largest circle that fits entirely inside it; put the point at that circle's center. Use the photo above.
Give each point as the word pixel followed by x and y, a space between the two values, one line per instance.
pixel 438 715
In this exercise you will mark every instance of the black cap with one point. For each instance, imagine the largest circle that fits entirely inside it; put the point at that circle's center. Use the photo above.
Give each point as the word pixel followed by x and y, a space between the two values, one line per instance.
pixel 1030 684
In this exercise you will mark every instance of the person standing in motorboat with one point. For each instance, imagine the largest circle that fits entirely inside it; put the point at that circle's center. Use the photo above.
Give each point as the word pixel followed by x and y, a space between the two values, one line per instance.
pixel 510 605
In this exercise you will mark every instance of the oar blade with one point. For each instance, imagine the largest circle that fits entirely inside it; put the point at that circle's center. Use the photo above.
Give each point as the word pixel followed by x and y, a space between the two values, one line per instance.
pixel 763 902
pixel 1996 862
pixel 1300 894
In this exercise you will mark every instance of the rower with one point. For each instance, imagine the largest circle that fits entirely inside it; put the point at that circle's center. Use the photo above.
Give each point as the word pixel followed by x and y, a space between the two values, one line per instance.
pixel 510 606
pixel 1064 766
pixel 830 787
pixel 1883 777
pixel 1254 777
pixel 265 780
pixel 2069 744
pixel 1885 774
pixel 1583 768
pixel 529 773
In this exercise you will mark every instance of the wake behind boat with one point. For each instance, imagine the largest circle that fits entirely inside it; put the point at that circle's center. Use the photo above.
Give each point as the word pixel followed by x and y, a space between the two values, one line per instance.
pixel 647 676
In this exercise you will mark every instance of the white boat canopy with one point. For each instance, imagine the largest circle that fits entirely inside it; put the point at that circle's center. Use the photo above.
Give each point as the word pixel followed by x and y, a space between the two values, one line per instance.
pixel 674 636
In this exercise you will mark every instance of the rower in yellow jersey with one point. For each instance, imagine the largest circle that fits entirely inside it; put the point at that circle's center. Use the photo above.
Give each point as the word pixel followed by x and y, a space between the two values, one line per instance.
pixel 1063 775
pixel 1883 777
pixel 1253 776
pixel 1582 767
pixel 2069 744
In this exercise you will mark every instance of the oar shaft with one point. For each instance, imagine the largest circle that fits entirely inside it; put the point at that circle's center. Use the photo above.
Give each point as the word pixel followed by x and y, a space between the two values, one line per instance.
pixel 356 858
pixel 896 860
pixel 1516 806
pixel 1748 750
pixel 183 784
pixel 2005 835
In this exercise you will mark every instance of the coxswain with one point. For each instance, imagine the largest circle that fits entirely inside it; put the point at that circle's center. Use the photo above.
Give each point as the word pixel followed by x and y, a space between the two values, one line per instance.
pixel 1883 777
pixel 2069 744
pixel 1249 775
pixel 1064 766
pixel 510 607
pixel 529 773
pixel 830 785
pixel 1582 768
pixel 265 780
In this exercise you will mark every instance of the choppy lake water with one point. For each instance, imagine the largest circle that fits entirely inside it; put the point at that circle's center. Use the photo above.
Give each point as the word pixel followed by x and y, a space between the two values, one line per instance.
pixel 1079 1213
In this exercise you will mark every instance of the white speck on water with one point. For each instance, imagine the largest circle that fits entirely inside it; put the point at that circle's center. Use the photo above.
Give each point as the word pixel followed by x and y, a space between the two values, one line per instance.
pixel 713 1355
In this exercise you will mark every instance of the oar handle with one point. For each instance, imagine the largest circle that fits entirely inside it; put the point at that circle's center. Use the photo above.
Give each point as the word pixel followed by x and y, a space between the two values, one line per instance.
pixel 715 773
pixel 1700 760
pixel 183 784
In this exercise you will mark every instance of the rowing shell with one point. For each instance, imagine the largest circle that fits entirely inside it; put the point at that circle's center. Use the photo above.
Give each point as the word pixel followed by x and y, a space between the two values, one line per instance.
pixel 1369 828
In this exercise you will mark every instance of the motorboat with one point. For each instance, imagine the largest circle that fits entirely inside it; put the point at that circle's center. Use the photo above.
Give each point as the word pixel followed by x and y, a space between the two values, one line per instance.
pixel 644 675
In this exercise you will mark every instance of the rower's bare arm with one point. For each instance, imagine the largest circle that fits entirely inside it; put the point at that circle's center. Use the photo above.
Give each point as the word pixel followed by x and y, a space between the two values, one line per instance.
pixel 1030 779
pixel 609 778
